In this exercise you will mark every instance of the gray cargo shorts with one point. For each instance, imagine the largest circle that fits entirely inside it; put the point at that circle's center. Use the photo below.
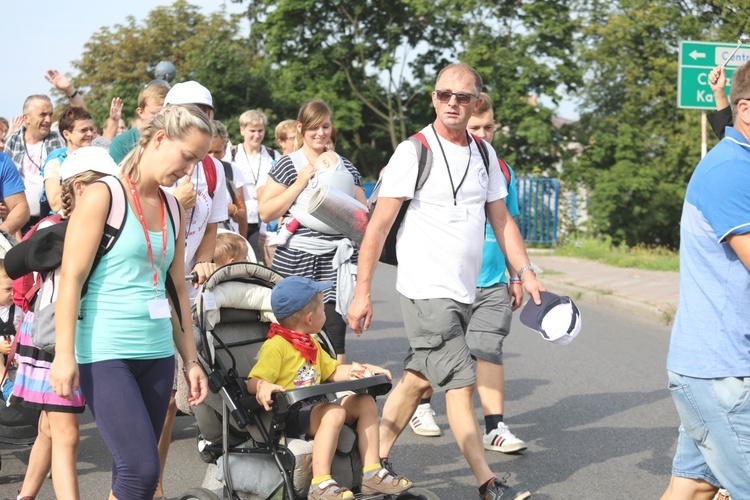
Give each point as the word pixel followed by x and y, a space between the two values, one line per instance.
pixel 436 331
pixel 490 323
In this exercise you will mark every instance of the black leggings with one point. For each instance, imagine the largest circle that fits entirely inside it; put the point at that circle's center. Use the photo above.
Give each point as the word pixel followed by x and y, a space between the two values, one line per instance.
pixel 335 328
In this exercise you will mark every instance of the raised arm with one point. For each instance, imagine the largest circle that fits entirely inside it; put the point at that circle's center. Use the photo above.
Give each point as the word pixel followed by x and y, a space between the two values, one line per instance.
pixel 115 113
pixel 64 85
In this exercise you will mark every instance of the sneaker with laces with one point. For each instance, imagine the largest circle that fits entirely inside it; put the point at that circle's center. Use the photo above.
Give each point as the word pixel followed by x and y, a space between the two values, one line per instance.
pixel 502 440
pixel 499 490
pixel 423 421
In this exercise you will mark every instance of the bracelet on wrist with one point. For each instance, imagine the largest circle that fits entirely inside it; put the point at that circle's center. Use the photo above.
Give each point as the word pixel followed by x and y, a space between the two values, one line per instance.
pixel 515 281
pixel 184 365
pixel 71 96
pixel 525 268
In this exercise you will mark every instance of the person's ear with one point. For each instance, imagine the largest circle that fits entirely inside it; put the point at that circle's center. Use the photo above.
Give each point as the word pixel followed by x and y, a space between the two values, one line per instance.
pixel 309 318
pixel 159 137
pixel 66 135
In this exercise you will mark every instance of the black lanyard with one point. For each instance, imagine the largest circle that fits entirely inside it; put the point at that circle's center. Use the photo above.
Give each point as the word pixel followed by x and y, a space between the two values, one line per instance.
pixel 450 177
pixel 247 159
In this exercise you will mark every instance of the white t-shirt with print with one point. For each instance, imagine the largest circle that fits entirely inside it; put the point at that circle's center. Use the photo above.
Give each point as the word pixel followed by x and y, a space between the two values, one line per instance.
pixel 205 211
pixel 439 244
pixel 254 167
pixel 239 182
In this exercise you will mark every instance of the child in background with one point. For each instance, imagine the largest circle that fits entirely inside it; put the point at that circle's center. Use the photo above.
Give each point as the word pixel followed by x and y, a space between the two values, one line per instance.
pixel 291 359
pixel 230 247
pixel 10 318
pixel 326 162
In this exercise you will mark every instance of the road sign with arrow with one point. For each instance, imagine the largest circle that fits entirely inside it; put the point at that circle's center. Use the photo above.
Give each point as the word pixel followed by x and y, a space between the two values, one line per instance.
pixel 697 59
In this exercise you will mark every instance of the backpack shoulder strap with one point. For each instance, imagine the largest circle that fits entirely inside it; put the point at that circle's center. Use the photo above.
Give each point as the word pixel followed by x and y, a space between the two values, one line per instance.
pixel 482 145
pixel 505 170
pixel 118 206
pixel 209 169
pixel 271 152
pixel 424 155
pixel 173 210
pixel 228 173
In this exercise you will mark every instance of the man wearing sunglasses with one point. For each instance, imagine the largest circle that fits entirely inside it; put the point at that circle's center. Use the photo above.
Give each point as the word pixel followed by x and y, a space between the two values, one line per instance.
pixel 439 250
pixel 708 363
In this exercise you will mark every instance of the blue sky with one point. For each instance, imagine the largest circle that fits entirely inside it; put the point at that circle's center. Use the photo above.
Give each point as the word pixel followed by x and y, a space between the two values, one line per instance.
pixel 43 34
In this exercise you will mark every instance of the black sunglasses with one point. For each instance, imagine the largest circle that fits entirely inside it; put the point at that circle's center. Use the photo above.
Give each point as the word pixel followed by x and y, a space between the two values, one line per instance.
pixel 444 96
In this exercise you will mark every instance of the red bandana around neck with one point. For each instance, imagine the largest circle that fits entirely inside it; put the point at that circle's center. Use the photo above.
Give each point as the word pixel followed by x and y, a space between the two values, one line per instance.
pixel 303 343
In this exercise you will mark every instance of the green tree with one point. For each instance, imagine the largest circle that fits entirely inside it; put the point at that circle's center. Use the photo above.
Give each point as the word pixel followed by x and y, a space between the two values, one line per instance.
pixel 368 60
pixel 524 50
pixel 640 150
pixel 119 60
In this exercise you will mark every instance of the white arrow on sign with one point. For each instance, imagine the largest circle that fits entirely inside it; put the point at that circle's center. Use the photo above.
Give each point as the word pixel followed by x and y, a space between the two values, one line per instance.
pixel 697 55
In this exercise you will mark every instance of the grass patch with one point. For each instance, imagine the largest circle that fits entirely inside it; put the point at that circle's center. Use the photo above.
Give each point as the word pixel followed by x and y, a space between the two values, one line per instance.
pixel 639 257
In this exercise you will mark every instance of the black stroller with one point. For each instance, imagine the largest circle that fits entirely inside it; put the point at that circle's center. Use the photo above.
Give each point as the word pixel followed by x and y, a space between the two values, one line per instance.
pixel 255 459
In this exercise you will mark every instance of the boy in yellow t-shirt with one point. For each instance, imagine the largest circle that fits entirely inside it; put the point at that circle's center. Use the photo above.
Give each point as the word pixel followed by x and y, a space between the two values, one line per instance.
pixel 290 359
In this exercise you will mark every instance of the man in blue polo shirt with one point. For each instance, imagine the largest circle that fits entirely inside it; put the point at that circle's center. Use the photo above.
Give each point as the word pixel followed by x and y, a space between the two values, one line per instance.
pixel 709 353
pixel 14 209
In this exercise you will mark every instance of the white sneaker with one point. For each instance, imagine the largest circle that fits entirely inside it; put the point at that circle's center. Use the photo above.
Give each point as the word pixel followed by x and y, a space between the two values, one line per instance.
pixel 502 440
pixel 423 421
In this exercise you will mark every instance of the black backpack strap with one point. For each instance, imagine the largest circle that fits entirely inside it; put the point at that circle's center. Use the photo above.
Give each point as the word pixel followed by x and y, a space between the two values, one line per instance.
pixel 483 151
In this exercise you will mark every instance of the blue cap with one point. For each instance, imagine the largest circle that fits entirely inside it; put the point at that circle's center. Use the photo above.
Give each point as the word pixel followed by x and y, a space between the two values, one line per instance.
pixel 293 293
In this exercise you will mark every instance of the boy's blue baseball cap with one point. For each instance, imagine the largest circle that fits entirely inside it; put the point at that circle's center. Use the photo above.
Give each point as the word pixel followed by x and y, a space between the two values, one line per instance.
pixel 293 293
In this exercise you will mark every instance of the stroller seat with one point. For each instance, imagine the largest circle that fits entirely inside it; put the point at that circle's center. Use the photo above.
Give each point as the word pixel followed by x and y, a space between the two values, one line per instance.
pixel 232 315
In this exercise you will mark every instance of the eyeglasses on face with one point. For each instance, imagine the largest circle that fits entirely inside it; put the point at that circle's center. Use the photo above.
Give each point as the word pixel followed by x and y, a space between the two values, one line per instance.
pixel 444 96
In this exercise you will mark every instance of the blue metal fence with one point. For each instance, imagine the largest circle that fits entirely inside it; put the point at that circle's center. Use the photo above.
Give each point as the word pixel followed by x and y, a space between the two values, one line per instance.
pixel 539 203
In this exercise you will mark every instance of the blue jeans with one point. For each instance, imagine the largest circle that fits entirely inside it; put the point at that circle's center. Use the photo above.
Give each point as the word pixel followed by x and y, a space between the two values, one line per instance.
pixel 714 439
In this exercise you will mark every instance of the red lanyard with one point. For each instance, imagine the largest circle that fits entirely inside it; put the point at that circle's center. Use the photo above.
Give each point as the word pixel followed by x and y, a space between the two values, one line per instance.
pixel 139 212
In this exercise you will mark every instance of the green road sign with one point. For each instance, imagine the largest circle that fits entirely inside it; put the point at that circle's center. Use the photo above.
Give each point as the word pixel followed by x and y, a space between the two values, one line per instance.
pixel 697 59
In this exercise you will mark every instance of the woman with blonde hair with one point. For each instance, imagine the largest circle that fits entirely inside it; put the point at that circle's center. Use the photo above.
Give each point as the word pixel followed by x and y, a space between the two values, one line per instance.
pixel 118 340
pixel 311 252
pixel 56 445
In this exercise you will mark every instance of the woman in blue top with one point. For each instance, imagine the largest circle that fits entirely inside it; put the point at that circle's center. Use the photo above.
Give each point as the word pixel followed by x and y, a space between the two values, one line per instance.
pixel 118 340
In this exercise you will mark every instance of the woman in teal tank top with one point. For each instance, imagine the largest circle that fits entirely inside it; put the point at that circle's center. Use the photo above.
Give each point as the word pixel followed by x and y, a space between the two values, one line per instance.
pixel 118 341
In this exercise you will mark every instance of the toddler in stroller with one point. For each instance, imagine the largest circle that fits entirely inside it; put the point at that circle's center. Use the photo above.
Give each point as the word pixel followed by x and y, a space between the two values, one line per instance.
pixel 260 450
pixel 292 359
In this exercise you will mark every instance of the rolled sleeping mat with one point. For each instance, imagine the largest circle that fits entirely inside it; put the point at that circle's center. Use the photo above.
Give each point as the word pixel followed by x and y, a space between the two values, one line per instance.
pixel 340 211
pixel 342 180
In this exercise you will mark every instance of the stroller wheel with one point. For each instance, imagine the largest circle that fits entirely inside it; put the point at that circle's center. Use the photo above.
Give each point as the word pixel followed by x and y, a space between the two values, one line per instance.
pixel 199 494
pixel 417 494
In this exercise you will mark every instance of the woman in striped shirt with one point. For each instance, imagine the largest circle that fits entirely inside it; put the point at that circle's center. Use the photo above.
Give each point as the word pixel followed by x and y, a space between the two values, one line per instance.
pixel 310 252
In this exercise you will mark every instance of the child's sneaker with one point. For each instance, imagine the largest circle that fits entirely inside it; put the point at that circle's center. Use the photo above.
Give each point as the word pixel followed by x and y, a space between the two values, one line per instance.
pixel 499 490
pixel 502 440
pixel 384 483
pixel 328 490
pixel 423 421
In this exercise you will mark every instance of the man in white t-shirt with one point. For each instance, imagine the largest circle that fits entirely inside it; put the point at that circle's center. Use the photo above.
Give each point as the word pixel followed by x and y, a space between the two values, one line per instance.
pixel 439 250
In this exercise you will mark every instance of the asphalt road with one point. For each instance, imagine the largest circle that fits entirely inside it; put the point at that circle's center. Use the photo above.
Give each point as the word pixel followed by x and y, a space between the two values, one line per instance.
pixel 596 415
